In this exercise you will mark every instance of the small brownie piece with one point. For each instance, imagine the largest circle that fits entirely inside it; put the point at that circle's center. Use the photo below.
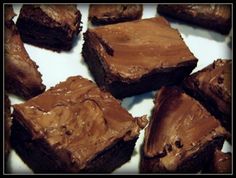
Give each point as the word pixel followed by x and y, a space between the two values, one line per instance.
pixel 181 135
pixel 212 87
pixel 221 163
pixel 49 26
pixel 74 127
pixel 101 14
pixel 21 73
pixel 211 16
pixel 130 58
pixel 7 126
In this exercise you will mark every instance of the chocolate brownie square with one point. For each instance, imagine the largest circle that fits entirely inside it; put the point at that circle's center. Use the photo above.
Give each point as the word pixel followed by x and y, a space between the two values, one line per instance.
pixel 74 127
pixel 131 58
pixel 216 17
pixel 49 26
pixel 101 14
pixel 181 136
pixel 21 73
pixel 212 87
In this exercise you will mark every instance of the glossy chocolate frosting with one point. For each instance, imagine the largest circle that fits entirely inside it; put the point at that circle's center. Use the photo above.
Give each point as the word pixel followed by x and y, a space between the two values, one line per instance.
pixel 179 128
pixel 132 49
pixel 115 12
pixel 75 116
pixel 19 68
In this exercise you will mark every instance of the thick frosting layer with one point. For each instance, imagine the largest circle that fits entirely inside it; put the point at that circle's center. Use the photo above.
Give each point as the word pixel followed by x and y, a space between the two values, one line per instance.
pixel 215 82
pixel 114 11
pixel 133 49
pixel 18 64
pixel 78 117
pixel 179 127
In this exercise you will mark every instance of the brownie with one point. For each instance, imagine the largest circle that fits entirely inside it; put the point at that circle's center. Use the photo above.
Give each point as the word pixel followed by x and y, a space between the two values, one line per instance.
pixel 131 58
pixel 7 126
pixel 216 17
pixel 212 87
pixel 220 163
pixel 49 26
pixel 21 72
pixel 74 127
pixel 181 135
pixel 101 14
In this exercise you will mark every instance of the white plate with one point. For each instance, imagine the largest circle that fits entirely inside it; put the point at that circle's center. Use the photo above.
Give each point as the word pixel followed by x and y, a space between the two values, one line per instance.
pixel 55 67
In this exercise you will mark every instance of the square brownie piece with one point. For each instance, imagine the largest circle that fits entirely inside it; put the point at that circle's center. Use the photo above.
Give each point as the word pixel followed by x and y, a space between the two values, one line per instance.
pixel 181 135
pixel 212 87
pixel 21 72
pixel 101 14
pixel 49 26
pixel 135 57
pixel 74 127
pixel 216 17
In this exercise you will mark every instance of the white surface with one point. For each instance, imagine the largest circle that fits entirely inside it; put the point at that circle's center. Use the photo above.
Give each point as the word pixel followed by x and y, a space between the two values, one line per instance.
pixel 56 67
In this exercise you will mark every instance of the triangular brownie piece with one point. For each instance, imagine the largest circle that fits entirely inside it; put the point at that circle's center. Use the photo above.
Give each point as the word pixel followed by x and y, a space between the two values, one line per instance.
pixel 181 135
pixel 21 75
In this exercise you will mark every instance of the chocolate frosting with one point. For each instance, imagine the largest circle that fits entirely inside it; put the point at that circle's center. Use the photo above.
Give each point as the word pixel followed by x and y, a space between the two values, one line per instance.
pixel 76 116
pixel 18 65
pixel 132 49
pixel 215 83
pixel 113 11
pixel 178 128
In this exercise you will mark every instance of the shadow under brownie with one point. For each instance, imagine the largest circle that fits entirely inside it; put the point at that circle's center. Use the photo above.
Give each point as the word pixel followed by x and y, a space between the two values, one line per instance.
pixel 135 57
pixel 74 127
pixel 181 136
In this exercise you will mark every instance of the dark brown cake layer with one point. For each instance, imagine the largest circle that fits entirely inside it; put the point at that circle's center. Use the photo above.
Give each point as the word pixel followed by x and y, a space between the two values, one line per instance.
pixel 21 73
pixel 101 14
pixel 127 59
pixel 74 127
pixel 181 135
pixel 49 26
pixel 220 163
pixel 212 87
pixel 216 17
